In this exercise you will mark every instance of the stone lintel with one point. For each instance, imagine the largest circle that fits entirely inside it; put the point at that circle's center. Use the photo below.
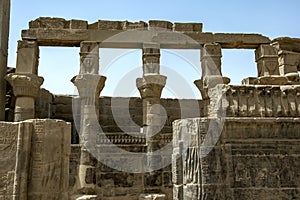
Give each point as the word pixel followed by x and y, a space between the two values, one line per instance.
pixel 167 39
pixel 240 41
pixel 287 43
pixel 151 86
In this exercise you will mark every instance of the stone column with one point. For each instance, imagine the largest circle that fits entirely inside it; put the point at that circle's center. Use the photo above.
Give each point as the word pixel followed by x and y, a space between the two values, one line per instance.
pixel 211 55
pixel 4 34
pixel 25 88
pixel 150 87
pixel 267 66
pixel 89 85
pixel 25 82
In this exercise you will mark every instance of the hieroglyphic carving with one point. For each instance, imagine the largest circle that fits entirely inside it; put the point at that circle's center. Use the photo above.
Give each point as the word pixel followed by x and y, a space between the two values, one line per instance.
pixel 8 149
pixel 48 167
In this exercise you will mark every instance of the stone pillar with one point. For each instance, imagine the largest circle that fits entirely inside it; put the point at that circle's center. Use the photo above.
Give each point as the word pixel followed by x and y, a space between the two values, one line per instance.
pixel 211 55
pixel 4 34
pixel 25 82
pixel 25 88
pixel 288 63
pixel 89 85
pixel 150 87
pixel 267 66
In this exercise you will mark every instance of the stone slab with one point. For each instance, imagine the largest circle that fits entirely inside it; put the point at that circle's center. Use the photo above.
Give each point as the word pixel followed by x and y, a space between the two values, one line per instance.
pixel 240 41
pixel 286 43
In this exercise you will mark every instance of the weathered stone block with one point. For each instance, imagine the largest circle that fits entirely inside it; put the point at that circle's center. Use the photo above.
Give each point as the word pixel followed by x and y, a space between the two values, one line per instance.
pixel 251 41
pixel 28 56
pixel 48 22
pixel 111 25
pixel 78 24
pixel 286 43
pixel 50 151
pixel 160 25
pixel 188 27
pixel 141 25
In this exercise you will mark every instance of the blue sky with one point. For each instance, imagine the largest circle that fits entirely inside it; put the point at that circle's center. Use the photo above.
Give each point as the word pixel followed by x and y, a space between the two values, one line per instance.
pixel 59 65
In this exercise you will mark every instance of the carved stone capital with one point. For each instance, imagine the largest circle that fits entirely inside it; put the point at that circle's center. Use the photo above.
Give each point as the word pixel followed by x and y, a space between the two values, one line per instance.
pixel 89 86
pixel 25 85
pixel 207 82
pixel 151 86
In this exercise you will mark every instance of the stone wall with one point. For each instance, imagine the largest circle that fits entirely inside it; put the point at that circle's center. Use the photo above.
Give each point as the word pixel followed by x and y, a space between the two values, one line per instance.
pixel 34 159
pixel 254 158
pixel 117 114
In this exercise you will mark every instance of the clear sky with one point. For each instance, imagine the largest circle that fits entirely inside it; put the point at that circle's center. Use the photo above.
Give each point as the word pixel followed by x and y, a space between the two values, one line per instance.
pixel 272 18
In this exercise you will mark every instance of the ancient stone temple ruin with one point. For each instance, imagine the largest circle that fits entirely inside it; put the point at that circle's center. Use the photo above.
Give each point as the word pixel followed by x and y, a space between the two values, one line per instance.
pixel 237 142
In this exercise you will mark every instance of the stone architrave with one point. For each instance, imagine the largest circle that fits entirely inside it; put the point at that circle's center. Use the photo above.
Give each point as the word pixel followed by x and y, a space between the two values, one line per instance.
pixel 89 57
pixel 25 88
pixel 4 34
